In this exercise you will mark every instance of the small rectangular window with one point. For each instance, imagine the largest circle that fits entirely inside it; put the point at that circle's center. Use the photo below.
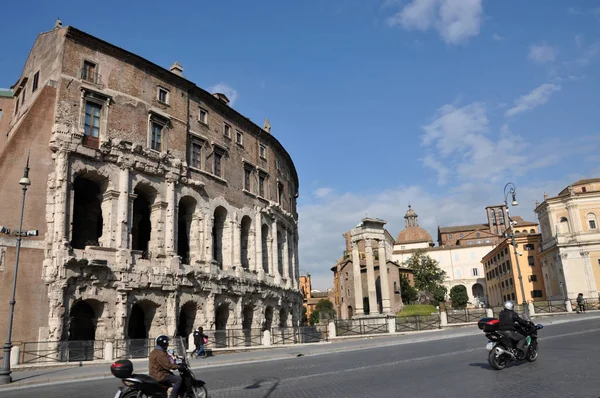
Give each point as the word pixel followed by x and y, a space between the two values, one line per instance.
pixel 196 154
pixel 277 164
pixel 475 272
pixel 88 72
pixel 156 136
pixel 531 260
pixel 532 278
pixel 203 116
pixel 261 185
pixel 36 81
pixel 262 151
pixel 593 224
pixel 239 138
pixel 91 125
pixel 247 175
pixel 227 131
pixel 163 95
pixel 217 158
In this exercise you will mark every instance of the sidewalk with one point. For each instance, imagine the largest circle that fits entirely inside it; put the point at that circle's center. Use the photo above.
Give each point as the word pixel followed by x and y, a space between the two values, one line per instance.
pixel 61 373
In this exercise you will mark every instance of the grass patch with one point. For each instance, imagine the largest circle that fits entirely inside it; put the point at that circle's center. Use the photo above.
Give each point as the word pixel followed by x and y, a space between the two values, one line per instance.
pixel 417 309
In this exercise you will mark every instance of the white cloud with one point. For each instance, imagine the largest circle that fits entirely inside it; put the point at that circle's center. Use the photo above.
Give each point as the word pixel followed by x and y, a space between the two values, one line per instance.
pixel 455 20
pixel 542 53
pixel 497 37
pixel 323 192
pixel 536 97
pixel 442 171
pixel 574 11
pixel 223 88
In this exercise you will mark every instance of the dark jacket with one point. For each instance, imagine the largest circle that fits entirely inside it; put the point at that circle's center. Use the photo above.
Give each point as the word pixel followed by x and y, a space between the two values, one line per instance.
pixel 199 338
pixel 508 319
pixel 579 300
pixel 159 364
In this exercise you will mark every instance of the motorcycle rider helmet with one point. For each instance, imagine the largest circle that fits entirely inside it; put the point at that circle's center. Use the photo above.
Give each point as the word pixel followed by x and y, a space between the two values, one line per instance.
pixel 162 341
pixel 509 305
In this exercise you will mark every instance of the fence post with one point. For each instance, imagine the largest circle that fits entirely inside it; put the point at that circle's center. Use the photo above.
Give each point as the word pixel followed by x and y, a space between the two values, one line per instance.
pixel 331 329
pixel 443 318
pixel 14 355
pixel 531 308
pixel 266 339
pixel 568 306
pixel 191 339
pixel 391 323
pixel 108 351
pixel 489 312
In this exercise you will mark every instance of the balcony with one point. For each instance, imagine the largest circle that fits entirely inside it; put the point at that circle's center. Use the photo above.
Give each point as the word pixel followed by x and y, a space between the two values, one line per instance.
pixel 89 76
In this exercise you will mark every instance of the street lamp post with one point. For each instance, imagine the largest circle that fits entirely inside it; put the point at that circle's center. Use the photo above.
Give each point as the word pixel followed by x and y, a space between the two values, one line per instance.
pixel 5 371
pixel 513 192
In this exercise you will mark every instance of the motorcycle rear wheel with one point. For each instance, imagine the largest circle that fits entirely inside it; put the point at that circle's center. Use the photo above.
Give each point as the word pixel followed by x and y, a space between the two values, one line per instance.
pixel 198 392
pixel 495 361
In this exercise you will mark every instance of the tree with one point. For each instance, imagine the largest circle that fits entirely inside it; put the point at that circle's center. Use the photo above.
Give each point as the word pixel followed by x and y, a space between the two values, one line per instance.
pixel 427 274
pixel 325 308
pixel 459 296
pixel 304 317
pixel 408 293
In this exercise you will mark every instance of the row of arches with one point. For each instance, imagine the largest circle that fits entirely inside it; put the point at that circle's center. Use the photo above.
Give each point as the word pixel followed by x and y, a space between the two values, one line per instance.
pixel 85 315
pixel 90 203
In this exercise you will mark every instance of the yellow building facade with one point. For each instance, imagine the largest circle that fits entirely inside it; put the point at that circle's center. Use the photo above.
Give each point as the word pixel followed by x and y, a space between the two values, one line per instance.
pixel 501 273
pixel 571 240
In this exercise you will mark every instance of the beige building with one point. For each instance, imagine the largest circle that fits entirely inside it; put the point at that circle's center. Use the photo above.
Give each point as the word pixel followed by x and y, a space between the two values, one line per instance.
pixel 159 206
pixel 571 240
pixel 501 272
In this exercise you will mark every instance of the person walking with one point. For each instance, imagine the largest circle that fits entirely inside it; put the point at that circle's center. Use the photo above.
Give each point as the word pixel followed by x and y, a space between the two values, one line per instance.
pixel 200 339
pixel 580 303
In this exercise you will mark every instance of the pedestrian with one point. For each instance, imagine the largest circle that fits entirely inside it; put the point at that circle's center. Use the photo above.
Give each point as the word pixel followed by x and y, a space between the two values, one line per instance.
pixel 200 339
pixel 580 303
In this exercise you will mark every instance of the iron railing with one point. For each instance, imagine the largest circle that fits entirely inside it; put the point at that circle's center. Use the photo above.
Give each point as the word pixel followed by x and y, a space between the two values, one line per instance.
pixel 133 348
pixel 90 76
pixel 61 351
pixel 465 315
pixel 361 326
pixel 298 335
pixel 548 307
pixel 415 323
pixel 233 338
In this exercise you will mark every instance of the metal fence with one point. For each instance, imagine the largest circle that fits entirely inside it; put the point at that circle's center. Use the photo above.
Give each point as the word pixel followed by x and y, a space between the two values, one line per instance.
pixel 133 348
pixel 299 335
pixel 415 323
pixel 466 315
pixel 63 351
pixel 588 304
pixel 548 307
pixel 352 327
pixel 234 338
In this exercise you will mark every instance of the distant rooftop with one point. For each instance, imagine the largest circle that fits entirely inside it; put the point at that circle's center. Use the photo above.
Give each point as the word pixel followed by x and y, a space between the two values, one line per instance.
pixel 5 92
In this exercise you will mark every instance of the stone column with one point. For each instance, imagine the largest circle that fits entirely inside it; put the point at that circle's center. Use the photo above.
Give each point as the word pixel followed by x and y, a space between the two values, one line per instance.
pixel 171 215
pixel 61 201
pixel 574 219
pixel 292 254
pixel 358 295
pixel 286 256
pixel 252 266
pixel 195 237
pixel 172 311
pixel 237 242
pixel 208 239
pixel 373 308
pixel 275 252
pixel 123 210
pixel 109 217
pixel 157 237
pixel 130 199
pixel 210 312
pixel 258 244
pixel 296 258
pixel 383 275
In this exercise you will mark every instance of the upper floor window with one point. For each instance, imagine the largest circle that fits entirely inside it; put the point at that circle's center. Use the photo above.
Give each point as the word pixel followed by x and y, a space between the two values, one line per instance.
pixel 475 272
pixel 450 236
pixel 203 116
pixel 36 81
pixel 239 138
pixel 163 95
pixel 583 189
pixel 156 136
pixel 218 162
pixel 91 125
pixel 280 193
pixel 196 153
pixel 277 164
pixel 89 72
pixel 529 247
pixel 262 151
pixel 247 178
pixel 227 130
pixel 0 114
pixel 261 184
pixel 592 221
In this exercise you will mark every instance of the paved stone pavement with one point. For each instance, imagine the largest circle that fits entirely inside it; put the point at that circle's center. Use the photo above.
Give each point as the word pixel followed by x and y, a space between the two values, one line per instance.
pixel 456 367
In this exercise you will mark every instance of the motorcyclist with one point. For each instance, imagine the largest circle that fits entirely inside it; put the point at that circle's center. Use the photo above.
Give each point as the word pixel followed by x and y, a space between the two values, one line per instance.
pixel 160 366
pixel 507 319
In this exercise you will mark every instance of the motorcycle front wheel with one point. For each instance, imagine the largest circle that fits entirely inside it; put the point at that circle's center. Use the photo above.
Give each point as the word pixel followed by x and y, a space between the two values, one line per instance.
pixel 198 392
pixel 532 354
pixel 496 362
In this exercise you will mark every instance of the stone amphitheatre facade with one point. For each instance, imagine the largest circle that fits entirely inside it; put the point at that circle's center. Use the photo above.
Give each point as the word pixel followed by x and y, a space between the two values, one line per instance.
pixel 160 207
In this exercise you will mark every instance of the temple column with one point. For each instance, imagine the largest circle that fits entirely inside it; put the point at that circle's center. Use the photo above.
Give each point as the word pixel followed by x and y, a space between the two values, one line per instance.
pixel 358 295
pixel 123 210
pixel 286 258
pixel 237 240
pixel 383 275
pixel 373 308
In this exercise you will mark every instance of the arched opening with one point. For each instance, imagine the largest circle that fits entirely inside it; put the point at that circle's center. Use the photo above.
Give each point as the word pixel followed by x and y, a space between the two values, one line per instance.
pixel 280 244
pixel 87 211
pixel 187 207
pixel 283 317
pixel 477 290
pixel 247 318
pixel 221 318
pixel 141 229
pixel 138 328
pixel 220 218
pixel 564 225
pixel 268 318
pixel 244 241
pixel 350 312
pixel 187 317
pixel 265 247
pixel 82 330
pixel 532 231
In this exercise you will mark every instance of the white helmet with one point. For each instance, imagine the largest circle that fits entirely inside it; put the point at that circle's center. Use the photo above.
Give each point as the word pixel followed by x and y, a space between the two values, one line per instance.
pixel 509 305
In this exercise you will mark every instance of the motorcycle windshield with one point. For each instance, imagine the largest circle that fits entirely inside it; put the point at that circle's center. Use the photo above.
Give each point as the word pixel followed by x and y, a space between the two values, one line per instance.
pixel 524 316
pixel 180 350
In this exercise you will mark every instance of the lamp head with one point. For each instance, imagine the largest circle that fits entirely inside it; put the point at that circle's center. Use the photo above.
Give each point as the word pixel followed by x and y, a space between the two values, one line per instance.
pixel 25 181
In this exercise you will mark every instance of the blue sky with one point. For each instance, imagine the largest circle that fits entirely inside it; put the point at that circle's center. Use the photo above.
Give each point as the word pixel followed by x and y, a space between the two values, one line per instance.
pixel 380 102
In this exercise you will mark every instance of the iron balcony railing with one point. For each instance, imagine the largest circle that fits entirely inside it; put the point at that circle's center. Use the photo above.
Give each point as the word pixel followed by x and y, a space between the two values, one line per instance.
pixel 90 76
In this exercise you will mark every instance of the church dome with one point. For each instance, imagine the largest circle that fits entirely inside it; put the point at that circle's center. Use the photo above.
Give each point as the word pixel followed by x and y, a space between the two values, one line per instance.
pixel 412 233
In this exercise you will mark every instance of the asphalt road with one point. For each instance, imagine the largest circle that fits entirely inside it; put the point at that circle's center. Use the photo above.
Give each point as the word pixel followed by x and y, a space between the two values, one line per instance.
pixel 567 367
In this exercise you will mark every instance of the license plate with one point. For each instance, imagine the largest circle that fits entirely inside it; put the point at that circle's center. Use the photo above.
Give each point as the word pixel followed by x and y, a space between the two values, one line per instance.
pixel 490 346
pixel 118 394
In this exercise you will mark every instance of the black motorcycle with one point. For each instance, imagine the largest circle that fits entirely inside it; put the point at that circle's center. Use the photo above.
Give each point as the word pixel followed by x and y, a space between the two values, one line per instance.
pixel 144 386
pixel 502 350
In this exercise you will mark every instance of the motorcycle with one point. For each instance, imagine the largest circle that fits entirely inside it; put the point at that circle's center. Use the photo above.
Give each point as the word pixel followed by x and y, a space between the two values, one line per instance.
pixel 144 386
pixel 502 350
